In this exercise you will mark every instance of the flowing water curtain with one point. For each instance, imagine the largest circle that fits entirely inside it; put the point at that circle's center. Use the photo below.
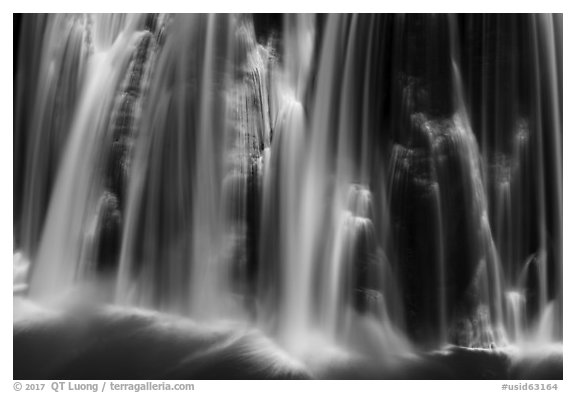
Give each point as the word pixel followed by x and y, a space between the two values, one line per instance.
pixel 318 230
pixel 514 99
pixel 61 256
pixel 341 178
pixel 157 263
pixel 187 236
pixel 54 54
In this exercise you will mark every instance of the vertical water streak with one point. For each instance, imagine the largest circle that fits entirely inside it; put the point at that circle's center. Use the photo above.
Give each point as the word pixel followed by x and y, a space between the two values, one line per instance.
pixel 207 231
pixel 60 79
pixel 548 32
pixel 441 266
pixel 286 287
pixel 487 247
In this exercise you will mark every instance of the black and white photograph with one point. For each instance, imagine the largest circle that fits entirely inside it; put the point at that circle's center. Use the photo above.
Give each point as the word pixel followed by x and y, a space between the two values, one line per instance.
pixel 255 196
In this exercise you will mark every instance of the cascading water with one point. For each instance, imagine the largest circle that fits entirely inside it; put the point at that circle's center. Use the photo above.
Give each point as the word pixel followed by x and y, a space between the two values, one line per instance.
pixel 369 184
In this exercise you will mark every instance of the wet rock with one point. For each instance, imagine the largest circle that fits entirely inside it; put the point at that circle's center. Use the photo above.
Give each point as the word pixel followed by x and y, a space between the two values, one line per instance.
pixel 118 168
pixel 369 271
pixel 474 329
pixel 414 219
pixel 124 120
pixel 249 120
pixel 108 233
pixel 369 301
pixel 151 22
pixel 138 64
pixel 437 210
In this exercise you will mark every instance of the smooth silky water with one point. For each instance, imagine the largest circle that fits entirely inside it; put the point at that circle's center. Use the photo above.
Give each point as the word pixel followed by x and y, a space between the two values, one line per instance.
pixel 316 194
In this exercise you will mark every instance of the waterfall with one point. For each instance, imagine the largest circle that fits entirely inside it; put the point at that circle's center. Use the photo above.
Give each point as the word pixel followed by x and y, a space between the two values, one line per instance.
pixel 62 255
pixel 371 184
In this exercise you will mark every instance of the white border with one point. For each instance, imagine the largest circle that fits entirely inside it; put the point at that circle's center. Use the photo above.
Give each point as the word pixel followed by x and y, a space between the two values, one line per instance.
pixel 569 166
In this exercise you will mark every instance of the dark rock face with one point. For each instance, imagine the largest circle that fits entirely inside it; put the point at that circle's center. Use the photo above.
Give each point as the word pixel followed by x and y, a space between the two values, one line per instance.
pixel 123 128
pixel 430 189
pixel 369 301
pixel 473 328
pixel 249 136
pixel 367 267
pixel 124 119
pixel 437 222
pixel 413 209
pixel 109 232
pixel 266 25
